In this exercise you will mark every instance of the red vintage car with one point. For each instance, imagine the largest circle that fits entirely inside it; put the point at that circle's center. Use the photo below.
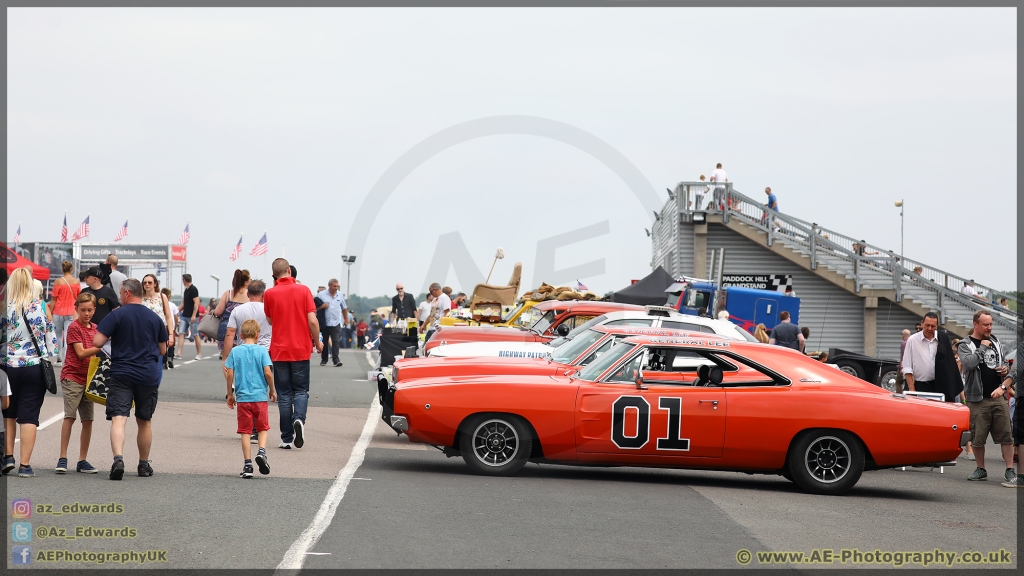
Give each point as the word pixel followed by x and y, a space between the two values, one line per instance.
pixel 682 402
pixel 556 318
pixel 574 354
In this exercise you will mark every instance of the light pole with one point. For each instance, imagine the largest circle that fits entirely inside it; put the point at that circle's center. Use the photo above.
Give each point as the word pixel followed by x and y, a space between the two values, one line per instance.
pixel 348 260
pixel 899 204
pixel 217 295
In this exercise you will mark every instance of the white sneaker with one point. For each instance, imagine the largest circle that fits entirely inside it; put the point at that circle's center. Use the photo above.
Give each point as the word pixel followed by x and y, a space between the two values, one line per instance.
pixel 285 445
pixel 300 432
pixel 198 357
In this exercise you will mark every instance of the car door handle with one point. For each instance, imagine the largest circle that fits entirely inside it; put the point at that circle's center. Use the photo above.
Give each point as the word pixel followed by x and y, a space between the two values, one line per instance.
pixel 714 403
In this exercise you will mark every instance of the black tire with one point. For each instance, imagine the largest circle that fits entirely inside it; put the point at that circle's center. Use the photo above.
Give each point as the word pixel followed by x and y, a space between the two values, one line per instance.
pixel 826 462
pixel 496 444
pixel 852 368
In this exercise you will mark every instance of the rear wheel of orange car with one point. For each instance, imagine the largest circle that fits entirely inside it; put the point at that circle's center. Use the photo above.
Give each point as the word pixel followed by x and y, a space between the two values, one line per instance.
pixel 826 461
pixel 496 445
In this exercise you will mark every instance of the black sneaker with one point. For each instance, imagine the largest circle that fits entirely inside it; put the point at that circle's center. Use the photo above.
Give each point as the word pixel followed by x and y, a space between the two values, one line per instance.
pixel 170 363
pixel 324 363
pixel 117 470
pixel 145 470
pixel 263 463
pixel 246 471
pixel 254 438
pixel 299 429
pixel 336 364
pixel 8 464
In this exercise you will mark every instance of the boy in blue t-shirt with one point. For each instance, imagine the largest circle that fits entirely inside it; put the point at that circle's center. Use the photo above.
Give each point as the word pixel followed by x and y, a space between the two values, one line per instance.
pixel 250 379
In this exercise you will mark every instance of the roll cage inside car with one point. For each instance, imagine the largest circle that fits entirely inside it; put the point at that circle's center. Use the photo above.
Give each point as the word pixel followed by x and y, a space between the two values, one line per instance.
pixel 677 365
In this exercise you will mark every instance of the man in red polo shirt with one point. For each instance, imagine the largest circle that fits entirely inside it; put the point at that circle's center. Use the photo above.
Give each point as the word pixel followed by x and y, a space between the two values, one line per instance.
pixel 290 310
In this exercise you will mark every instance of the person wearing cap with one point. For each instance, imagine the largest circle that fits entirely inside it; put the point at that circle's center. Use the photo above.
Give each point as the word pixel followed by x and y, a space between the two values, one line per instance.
pixel 106 298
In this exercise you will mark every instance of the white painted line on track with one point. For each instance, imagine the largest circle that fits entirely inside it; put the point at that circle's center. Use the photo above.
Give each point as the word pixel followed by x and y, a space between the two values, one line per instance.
pixel 52 420
pixel 294 557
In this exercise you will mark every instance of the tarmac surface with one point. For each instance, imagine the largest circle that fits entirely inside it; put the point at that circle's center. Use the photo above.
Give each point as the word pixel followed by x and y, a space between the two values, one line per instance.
pixel 408 506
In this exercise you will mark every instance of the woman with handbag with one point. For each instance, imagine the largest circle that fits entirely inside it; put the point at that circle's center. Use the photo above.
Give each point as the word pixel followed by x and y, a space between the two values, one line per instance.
pixel 65 291
pixel 27 339
pixel 236 295
pixel 154 299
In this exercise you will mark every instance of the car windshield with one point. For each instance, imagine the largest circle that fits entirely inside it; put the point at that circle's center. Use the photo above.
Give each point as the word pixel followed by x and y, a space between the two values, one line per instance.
pixel 512 314
pixel 607 359
pixel 743 333
pixel 579 329
pixel 543 320
pixel 572 349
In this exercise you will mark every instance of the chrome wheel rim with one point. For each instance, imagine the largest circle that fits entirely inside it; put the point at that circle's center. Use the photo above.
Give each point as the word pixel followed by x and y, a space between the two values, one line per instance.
pixel 828 459
pixel 849 371
pixel 495 442
pixel 889 381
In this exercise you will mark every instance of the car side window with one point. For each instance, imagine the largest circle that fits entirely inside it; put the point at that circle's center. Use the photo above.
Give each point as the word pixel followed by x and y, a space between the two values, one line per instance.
pixel 675 325
pixel 630 322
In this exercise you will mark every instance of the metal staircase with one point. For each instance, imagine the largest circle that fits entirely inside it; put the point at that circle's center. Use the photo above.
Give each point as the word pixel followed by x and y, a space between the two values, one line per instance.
pixel 862 268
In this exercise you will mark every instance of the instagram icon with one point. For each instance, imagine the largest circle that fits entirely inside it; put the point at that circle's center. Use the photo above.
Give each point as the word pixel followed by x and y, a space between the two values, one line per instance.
pixel 21 508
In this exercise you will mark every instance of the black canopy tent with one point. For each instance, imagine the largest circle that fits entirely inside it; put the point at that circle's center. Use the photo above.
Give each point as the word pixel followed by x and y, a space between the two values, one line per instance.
pixel 649 291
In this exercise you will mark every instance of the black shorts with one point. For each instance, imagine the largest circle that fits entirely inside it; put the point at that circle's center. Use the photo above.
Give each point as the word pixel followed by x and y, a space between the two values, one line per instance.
pixel 120 396
pixel 28 388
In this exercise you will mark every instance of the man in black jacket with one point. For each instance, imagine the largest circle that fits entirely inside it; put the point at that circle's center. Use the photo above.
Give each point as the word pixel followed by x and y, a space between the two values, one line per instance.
pixel 403 305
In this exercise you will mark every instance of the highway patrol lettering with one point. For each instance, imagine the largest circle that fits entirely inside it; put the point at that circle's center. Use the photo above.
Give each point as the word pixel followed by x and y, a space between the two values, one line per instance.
pixel 521 354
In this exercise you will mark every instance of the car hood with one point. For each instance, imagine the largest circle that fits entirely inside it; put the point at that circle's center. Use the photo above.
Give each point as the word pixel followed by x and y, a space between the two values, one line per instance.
pixel 485 380
pixel 501 349
pixel 409 369
pixel 459 334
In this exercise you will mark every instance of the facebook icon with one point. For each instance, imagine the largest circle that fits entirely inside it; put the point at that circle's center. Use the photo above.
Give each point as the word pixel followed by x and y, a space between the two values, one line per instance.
pixel 21 554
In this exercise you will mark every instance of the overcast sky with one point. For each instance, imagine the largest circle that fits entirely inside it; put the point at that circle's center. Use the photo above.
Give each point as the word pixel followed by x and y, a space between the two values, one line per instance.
pixel 245 120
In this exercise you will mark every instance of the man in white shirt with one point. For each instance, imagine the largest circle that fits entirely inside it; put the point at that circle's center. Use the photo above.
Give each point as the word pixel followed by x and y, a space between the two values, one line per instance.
pixel 440 308
pixel 425 307
pixel 116 278
pixel 719 175
pixel 969 289
pixel 919 356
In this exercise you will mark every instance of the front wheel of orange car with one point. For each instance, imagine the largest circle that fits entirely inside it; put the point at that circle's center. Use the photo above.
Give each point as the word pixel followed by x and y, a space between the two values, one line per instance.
pixel 826 461
pixel 497 445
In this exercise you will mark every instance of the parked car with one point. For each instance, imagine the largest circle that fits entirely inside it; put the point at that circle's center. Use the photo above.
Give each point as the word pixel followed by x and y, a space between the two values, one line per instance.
pixel 548 320
pixel 682 402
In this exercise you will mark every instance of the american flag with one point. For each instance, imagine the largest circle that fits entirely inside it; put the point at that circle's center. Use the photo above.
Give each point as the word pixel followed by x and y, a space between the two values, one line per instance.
pixel 580 286
pixel 64 229
pixel 183 239
pixel 260 248
pixel 237 251
pixel 83 230
pixel 122 232
pixel 17 235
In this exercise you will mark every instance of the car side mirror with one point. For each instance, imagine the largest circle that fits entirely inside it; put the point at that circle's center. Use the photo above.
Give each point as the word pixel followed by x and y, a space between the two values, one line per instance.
pixel 640 380
pixel 562 330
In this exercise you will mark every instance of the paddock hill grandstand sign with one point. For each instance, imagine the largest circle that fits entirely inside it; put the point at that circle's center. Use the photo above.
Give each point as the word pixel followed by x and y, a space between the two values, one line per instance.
pixel 94 252
pixel 773 282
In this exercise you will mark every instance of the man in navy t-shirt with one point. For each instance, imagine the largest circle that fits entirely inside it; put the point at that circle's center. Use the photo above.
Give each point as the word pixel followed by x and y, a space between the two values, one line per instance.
pixel 138 341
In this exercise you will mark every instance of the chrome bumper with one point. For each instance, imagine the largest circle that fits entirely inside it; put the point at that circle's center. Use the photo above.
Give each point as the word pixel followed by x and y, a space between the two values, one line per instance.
pixel 399 424
pixel 965 437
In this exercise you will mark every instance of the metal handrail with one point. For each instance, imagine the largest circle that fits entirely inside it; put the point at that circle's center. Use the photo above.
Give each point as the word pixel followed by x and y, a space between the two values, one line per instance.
pixel 842 251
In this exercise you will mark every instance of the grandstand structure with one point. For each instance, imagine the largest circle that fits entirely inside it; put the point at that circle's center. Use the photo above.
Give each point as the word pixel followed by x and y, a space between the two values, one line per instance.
pixel 854 296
